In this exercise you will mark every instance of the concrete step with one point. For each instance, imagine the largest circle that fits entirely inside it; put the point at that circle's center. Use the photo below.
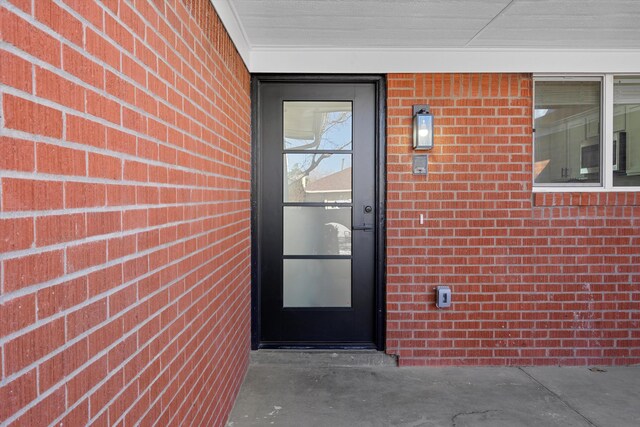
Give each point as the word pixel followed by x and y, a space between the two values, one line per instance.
pixel 319 358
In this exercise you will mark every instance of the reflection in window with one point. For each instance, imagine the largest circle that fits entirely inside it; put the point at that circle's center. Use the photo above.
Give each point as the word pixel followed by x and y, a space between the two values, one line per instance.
pixel 317 125
pixel 626 131
pixel 567 146
pixel 317 177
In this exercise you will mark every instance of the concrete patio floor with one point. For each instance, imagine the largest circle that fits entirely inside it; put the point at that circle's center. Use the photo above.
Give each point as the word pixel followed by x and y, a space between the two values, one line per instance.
pixel 365 389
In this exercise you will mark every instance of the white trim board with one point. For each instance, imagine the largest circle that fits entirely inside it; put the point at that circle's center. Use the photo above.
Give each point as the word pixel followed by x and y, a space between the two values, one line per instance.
pixel 461 60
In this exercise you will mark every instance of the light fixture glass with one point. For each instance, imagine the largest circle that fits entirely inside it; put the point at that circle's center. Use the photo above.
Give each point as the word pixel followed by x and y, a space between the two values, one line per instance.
pixel 422 129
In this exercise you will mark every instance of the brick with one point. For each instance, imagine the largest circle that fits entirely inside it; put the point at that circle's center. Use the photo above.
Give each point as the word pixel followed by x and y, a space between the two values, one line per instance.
pixel 473 111
pixel 17 154
pixel 106 392
pixel 53 370
pixel 99 47
pixel 58 89
pixel 132 69
pixel 133 120
pixel 121 142
pixel 82 382
pixel 85 131
pixel 17 394
pixel 122 299
pixel 59 20
pixel 90 11
pixel 136 171
pixel 103 223
pixel 133 219
pixel 26 116
pixel 45 411
pixel 124 402
pixel 107 167
pixel 24 5
pixel 24 36
pixel 30 195
pixel 120 88
pixel 17 313
pixel 15 71
pixel 120 195
pixel 104 280
pixel 105 336
pixel 57 160
pixel 83 67
pixel 78 416
pixel 57 298
pixel 103 107
pixel 119 33
pixel 86 255
pixel 120 247
pixel 56 229
pixel 80 321
pixel 84 195
pixel 32 269
pixel 32 346
pixel 17 233
pixel 206 104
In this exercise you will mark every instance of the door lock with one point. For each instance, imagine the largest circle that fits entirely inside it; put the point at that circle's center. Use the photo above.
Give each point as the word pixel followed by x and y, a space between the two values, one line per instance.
pixel 368 209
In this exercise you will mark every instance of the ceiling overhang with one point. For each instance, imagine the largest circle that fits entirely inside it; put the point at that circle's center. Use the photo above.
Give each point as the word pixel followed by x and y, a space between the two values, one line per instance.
pixel 304 59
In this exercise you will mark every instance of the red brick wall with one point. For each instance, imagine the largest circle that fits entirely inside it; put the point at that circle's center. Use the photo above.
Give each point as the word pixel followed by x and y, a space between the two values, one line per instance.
pixel 124 219
pixel 543 280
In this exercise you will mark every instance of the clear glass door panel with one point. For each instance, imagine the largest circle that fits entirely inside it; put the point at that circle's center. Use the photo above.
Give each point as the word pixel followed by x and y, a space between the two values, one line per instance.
pixel 317 230
pixel 317 125
pixel 317 283
pixel 317 177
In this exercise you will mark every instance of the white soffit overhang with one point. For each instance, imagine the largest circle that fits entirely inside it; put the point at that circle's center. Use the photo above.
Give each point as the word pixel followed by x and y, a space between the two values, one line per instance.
pixel 395 36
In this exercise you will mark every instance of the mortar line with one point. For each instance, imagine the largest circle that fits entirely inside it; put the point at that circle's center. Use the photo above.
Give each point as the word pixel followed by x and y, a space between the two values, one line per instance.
pixel 104 351
pixel 557 396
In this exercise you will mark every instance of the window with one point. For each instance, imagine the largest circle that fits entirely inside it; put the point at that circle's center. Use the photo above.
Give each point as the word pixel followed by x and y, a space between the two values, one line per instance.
pixel 626 131
pixel 567 132
pixel 587 133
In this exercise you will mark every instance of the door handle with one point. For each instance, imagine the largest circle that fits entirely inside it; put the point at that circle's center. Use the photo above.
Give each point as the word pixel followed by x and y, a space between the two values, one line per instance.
pixel 362 228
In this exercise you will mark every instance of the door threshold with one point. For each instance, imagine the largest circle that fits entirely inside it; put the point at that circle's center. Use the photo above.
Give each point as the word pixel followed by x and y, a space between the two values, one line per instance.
pixel 323 357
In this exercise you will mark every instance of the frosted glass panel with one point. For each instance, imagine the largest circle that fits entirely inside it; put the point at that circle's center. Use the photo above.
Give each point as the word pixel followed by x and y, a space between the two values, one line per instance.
pixel 317 177
pixel 317 230
pixel 317 283
pixel 317 125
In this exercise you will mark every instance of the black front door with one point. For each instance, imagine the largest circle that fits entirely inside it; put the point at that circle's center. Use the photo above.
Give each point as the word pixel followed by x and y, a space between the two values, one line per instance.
pixel 317 214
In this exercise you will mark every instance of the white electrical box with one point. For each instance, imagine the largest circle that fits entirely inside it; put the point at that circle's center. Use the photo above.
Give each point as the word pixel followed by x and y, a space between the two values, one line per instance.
pixel 443 297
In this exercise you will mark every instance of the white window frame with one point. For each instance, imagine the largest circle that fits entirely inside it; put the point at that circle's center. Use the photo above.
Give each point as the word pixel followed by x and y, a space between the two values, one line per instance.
pixel 606 136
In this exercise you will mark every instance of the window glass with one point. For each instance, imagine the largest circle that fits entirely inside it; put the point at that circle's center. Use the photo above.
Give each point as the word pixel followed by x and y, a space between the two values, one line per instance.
pixel 567 147
pixel 317 177
pixel 317 125
pixel 626 131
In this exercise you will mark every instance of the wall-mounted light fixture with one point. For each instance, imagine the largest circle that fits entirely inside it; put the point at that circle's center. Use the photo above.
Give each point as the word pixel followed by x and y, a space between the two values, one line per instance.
pixel 422 128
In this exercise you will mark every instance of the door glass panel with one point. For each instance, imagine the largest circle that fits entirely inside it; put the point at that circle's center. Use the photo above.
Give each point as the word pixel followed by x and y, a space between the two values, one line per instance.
pixel 317 230
pixel 317 283
pixel 317 125
pixel 317 177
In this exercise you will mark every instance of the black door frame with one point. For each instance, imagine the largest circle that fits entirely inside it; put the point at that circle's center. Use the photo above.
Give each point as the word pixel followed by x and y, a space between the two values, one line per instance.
pixel 380 168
